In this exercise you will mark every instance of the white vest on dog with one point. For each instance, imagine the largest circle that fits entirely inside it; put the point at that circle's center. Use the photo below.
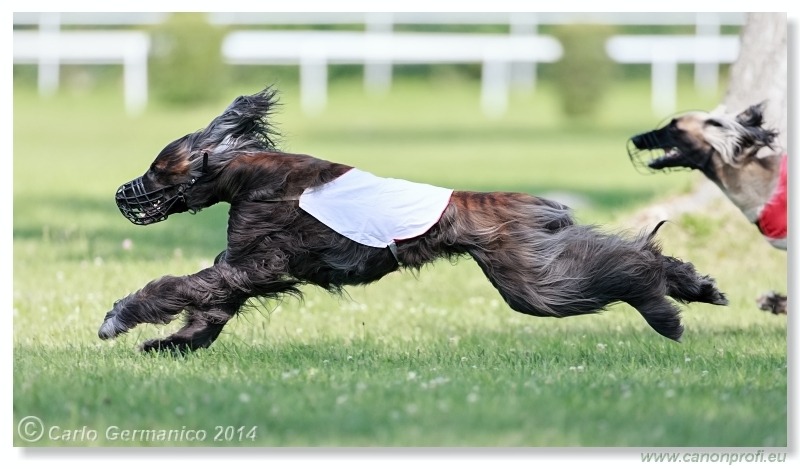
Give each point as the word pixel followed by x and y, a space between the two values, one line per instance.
pixel 375 211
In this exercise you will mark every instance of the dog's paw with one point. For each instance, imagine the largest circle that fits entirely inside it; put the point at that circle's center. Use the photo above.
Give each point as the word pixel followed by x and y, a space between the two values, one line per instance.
pixel 710 293
pixel 167 345
pixel 112 326
pixel 773 302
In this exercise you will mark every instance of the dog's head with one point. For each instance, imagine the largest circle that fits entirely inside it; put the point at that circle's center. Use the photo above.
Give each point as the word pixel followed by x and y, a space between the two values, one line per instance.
pixel 703 141
pixel 182 177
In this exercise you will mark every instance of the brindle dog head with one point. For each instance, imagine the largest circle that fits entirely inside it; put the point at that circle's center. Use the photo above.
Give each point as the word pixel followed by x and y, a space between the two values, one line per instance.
pixel 734 151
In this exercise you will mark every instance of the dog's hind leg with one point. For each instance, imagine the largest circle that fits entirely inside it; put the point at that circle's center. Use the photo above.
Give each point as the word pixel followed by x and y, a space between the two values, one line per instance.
pixel 663 316
pixel 686 285
pixel 679 281
pixel 579 270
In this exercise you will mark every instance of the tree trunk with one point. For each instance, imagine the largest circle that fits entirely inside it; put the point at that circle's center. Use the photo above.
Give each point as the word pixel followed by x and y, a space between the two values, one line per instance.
pixel 760 72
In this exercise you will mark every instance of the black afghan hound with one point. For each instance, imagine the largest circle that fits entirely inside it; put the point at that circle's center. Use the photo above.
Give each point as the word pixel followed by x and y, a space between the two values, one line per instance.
pixel 529 248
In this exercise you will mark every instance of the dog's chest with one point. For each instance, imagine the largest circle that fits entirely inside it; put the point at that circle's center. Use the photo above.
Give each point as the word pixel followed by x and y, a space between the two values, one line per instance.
pixel 375 211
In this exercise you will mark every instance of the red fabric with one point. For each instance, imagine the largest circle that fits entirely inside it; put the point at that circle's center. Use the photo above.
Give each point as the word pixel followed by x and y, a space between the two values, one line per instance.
pixel 773 220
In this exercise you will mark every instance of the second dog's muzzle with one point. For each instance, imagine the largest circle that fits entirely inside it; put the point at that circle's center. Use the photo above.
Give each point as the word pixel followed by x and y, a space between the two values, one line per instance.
pixel 646 148
pixel 640 156
pixel 143 207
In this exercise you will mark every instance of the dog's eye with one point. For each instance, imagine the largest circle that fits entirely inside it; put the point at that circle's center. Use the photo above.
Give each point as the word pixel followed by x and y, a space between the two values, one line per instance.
pixel 714 123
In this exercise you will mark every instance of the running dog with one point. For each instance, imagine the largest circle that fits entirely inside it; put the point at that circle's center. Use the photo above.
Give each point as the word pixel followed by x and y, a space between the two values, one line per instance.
pixel 295 219
pixel 737 153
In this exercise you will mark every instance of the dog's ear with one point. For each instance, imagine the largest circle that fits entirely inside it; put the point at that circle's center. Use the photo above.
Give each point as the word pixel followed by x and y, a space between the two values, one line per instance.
pixel 244 122
pixel 247 113
pixel 753 116
pixel 754 134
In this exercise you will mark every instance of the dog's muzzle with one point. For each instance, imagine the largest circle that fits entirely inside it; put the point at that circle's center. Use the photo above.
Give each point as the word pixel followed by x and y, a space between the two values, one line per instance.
pixel 143 207
pixel 649 154
pixel 641 151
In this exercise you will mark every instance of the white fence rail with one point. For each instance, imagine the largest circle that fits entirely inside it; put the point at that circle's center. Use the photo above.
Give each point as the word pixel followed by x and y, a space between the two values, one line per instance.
pixel 313 51
pixel 704 22
pixel 505 58
pixel 50 49
pixel 664 53
pixel 499 18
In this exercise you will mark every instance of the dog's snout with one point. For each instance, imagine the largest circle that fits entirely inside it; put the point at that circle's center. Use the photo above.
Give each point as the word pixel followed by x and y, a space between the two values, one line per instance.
pixel 646 141
pixel 637 141
pixel 143 206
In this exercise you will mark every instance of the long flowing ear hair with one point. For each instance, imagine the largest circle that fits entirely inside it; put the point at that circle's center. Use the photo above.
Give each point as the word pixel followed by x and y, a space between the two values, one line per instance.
pixel 737 138
pixel 243 127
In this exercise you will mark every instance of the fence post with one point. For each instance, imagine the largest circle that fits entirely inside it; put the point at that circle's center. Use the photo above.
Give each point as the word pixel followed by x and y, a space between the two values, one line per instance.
pixel 523 74
pixel 706 75
pixel 378 74
pixel 313 82
pixel 49 60
pixel 494 87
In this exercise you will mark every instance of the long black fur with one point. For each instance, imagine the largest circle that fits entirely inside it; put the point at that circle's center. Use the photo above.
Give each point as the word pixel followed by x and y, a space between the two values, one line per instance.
pixel 529 248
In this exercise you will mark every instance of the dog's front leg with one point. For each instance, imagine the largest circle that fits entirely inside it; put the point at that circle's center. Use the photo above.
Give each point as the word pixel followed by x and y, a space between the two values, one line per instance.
pixel 162 299
pixel 201 330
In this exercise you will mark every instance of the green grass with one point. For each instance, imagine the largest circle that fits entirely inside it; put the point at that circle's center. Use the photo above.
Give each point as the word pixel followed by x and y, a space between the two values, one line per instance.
pixel 434 359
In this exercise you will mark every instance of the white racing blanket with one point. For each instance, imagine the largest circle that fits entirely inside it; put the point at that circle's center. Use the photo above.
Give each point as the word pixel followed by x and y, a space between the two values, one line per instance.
pixel 375 211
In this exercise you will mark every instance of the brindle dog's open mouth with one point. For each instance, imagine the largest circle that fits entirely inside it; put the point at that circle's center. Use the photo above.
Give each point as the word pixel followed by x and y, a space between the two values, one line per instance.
pixel 667 160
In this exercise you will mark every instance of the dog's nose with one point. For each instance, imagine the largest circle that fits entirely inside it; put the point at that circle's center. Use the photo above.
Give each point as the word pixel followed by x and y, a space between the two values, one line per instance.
pixel 647 141
pixel 639 141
